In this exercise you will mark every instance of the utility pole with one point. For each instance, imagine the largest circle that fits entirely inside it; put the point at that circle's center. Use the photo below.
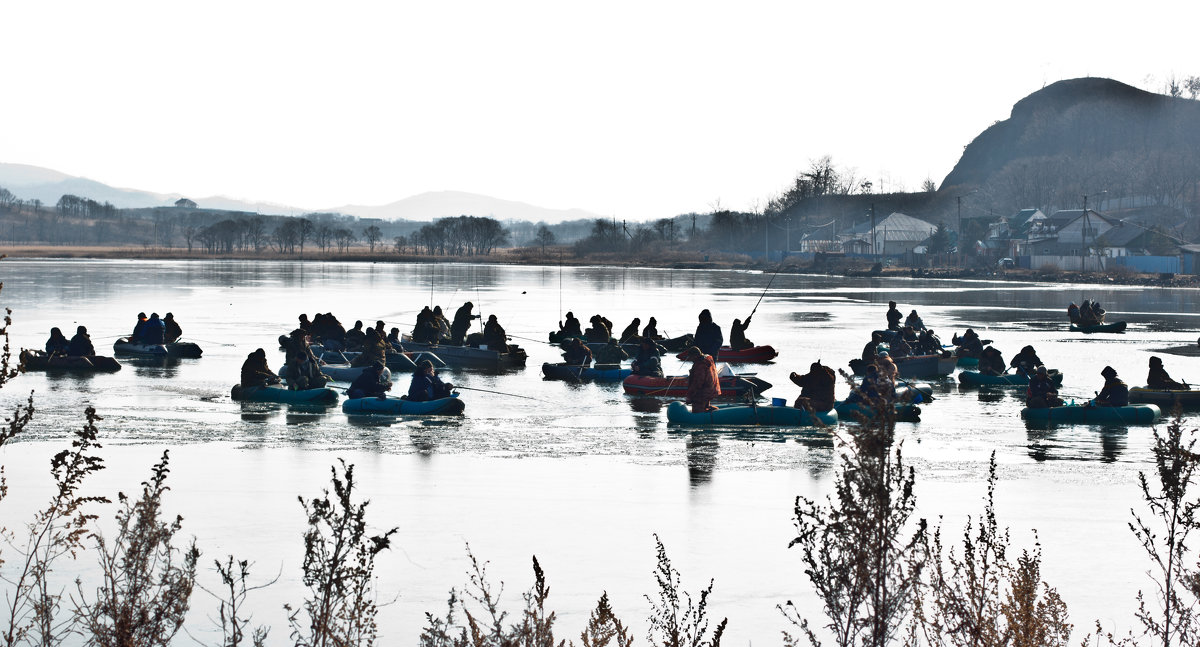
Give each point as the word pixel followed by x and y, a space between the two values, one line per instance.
pixel 766 241
pixel 874 250
pixel 1086 222
pixel 958 233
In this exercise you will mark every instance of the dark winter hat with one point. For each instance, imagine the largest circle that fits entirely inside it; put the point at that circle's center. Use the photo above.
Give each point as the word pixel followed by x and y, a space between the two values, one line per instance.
pixel 1109 371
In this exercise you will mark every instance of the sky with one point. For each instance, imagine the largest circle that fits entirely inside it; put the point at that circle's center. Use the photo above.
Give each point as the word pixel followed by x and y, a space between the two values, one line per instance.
pixel 636 110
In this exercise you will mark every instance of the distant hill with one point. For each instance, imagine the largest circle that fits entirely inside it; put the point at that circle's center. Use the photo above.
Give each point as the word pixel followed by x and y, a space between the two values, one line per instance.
pixel 1080 121
pixel 438 204
pixel 35 183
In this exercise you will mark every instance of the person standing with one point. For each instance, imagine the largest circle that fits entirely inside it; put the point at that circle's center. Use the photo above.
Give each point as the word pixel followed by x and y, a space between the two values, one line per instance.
pixel 703 383
pixel 893 316
pixel 462 323
pixel 708 337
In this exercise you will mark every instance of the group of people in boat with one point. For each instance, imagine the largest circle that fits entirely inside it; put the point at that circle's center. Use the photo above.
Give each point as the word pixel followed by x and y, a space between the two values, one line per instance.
pixel 1043 393
pixel 78 346
pixel 154 331
pixel 894 318
pixel 1089 313
pixel 326 330
pixel 601 328
pixel 370 383
pixel 432 327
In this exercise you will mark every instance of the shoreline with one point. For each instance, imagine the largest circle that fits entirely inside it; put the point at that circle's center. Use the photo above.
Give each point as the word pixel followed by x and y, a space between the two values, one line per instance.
pixel 672 260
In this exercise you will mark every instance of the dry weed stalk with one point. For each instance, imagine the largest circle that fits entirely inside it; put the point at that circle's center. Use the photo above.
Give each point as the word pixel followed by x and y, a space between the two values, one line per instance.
pixel 981 599
pixel 144 592
pixel 339 563
pixel 231 616
pixel 675 621
pixel 862 550
pixel 485 627
pixel 56 531
pixel 1173 509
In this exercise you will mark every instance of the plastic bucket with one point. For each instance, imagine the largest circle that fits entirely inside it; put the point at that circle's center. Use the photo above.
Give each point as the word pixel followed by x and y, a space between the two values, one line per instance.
pixel 778 402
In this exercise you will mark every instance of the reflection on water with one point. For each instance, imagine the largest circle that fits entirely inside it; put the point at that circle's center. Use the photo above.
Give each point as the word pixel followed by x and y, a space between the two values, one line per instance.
pixel 701 451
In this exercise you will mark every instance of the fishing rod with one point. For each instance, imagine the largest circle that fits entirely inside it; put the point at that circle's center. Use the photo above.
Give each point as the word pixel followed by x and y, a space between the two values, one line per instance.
pixel 764 292
pixel 539 341
pixel 511 395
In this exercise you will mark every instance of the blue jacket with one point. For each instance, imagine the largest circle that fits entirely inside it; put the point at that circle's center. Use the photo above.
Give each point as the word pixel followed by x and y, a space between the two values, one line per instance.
pixel 154 332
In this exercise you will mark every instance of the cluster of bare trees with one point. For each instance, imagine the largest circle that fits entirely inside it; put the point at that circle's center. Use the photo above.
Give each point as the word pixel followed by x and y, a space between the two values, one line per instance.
pixel 609 236
pixel 73 206
pixel 229 235
pixel 822 178
pixel 460 236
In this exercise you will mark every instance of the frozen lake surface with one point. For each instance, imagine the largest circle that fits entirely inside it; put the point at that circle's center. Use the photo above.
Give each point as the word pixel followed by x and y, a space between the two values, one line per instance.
pixel 583 476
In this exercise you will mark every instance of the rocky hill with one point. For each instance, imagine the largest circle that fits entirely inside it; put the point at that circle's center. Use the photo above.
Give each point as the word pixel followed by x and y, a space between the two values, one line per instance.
pixel 1080 121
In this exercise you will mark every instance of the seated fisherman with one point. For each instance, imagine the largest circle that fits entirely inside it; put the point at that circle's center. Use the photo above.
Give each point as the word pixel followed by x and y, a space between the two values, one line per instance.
pixel 255 371
pixel 647 362
pixel 1026 361
pixel 991 362
pixel 816 387
pixel 1159 379
pixel 1042 393
pixel 426 385
pixel 369 383
pixel 1115 392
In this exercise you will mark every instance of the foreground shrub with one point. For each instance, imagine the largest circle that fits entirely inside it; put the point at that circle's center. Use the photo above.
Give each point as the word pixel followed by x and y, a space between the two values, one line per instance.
pixel 339 563
pixel 145 589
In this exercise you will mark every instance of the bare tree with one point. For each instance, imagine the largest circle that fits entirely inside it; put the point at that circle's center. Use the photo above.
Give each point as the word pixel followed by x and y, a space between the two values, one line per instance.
pixel 372 234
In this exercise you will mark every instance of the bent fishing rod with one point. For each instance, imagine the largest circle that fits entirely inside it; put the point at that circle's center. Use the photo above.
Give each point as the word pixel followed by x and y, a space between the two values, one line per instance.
pixel 764 292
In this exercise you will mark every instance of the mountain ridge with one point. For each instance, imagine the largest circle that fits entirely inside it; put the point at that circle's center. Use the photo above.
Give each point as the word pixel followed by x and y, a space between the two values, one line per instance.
pixel 29 182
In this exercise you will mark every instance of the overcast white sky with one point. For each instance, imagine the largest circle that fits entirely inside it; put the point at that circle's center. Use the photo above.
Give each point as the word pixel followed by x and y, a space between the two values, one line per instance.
pixel 632 109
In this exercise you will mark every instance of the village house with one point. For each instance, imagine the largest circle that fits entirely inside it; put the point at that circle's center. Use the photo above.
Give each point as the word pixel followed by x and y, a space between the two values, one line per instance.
pixel 894 235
